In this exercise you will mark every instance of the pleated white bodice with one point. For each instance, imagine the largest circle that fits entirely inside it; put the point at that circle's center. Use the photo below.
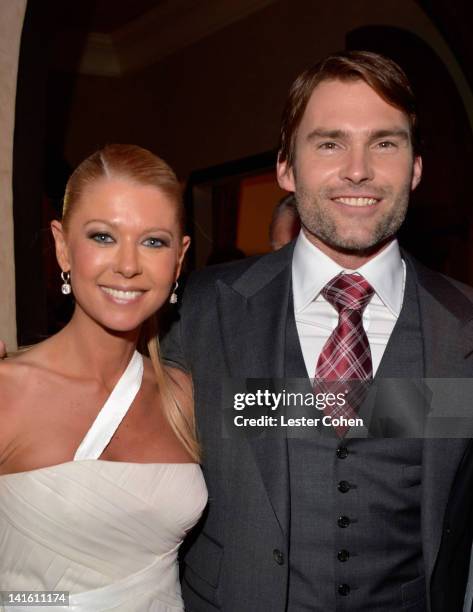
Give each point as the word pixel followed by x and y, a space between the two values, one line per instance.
pixel 108 532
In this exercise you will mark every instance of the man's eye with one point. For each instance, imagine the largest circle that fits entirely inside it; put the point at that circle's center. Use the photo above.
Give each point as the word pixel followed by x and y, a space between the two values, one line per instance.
pixel 154 243
pixel 387 144
pixel 101 238
pixel 328 146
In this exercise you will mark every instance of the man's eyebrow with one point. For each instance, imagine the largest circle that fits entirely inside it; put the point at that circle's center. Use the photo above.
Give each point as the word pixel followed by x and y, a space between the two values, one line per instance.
pixel 322 133
pixel 390 133
pixel 373 135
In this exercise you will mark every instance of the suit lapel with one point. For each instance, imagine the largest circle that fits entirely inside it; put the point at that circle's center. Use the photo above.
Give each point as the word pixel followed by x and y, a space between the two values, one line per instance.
pixel 253 330
pixel 447 329
pixel 252 315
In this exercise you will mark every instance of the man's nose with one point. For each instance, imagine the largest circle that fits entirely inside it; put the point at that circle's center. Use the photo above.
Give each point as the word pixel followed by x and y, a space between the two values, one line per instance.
pixel 358 167
pixel 127 262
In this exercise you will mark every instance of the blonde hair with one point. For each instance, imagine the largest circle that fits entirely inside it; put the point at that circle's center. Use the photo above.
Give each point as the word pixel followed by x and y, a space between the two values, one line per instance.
pixel 142 167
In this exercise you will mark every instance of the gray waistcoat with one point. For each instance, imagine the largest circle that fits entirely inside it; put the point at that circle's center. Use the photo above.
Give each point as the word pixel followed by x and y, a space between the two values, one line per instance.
pixel 355 539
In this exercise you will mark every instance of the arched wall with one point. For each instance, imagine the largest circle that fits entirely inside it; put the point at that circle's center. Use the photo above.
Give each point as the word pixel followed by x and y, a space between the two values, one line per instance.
pixel 11 22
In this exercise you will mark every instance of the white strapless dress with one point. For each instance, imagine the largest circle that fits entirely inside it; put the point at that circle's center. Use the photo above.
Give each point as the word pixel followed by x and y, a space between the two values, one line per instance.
pixel 107 532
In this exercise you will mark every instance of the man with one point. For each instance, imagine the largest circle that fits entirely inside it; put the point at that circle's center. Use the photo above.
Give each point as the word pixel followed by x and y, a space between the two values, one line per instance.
pixel 329 523
pixel 285 223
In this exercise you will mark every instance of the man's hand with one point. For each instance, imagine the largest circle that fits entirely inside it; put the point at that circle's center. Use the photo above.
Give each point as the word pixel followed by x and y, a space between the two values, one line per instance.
pixel 3 350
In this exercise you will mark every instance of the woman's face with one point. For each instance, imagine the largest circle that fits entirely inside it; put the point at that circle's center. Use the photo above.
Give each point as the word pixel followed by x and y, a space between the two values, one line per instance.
pixel 124 249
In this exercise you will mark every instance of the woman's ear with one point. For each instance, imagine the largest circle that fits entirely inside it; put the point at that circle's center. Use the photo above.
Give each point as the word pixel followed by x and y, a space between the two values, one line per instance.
pixel 62 253
pixel 184 246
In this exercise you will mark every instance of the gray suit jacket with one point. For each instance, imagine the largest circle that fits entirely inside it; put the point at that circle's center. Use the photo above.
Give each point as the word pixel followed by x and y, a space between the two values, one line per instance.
pixel 233 323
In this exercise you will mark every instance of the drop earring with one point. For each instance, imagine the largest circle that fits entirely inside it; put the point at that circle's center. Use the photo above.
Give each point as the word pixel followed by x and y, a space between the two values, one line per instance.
pixel 66 285
pixel 173 296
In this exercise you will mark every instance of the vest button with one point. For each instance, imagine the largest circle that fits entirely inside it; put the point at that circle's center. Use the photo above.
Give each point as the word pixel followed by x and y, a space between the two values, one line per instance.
pixel 342 452
pixel 343 555
pixel 343 486
pixel 343 589
pixel 343 521
pixel 278 556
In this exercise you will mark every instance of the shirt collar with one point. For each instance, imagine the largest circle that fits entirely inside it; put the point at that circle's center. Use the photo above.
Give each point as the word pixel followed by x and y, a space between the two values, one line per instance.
pixel 312 270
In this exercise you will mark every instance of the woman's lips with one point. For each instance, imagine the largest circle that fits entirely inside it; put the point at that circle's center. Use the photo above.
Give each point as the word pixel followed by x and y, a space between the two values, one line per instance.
pixel 122 296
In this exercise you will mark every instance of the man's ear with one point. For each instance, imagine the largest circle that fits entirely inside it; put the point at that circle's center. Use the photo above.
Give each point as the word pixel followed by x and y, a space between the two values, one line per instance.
pixel 285 175
pixel 62 253
pixel 417 173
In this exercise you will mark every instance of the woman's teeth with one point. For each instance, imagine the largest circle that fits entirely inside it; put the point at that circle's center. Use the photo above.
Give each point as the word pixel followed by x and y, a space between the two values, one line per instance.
pixel 122 295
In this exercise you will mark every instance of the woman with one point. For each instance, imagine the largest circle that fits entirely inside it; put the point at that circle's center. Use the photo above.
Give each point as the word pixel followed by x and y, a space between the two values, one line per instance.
pixel 99 480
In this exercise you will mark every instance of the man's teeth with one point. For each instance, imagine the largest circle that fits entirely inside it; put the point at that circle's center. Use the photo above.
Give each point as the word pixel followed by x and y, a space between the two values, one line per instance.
pixel 121 295
pixel 357 201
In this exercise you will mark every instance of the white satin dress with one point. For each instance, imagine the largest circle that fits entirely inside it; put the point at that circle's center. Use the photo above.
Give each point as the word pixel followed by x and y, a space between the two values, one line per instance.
pixel 108 532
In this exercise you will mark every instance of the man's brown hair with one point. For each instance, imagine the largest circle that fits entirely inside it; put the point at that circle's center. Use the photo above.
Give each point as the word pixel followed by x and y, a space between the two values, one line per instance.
pixel 382 74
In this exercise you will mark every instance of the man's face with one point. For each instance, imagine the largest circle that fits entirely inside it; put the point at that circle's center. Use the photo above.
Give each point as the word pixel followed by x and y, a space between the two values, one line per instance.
pixel 353 170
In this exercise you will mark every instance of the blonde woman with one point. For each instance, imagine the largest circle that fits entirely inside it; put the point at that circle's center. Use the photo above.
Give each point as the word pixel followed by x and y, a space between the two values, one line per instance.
pixel 99 474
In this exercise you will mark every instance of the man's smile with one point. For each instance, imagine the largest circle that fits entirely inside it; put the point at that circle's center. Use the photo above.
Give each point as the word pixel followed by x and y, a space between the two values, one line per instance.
pixel 356 201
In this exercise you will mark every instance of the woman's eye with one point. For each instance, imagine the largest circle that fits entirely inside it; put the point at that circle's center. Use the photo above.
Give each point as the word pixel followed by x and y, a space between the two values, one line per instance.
pixel 154 243
pixel 102 238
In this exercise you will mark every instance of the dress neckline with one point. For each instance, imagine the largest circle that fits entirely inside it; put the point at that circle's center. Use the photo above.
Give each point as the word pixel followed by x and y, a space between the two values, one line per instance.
pixel 75 462
pixel 107 422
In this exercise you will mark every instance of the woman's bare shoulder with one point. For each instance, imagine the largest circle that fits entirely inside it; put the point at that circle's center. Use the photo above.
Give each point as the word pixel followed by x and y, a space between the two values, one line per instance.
pixel 20 372
pixel 25 389
pixel 15 378
pixel 182 389
pixel 9 376
pixel 179 383
pixel 180 380
pixel 16 394
pixel 13 370
pixel 33 355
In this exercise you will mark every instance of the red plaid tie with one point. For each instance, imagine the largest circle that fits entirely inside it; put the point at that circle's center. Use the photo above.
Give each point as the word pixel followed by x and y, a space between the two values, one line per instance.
pixel 346 355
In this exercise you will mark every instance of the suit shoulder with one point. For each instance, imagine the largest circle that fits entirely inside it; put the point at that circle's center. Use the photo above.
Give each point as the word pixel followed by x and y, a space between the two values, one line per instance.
pixel 448 287
pixel 467 290
pixel 227 272
pixel 202 281
pixel 453 295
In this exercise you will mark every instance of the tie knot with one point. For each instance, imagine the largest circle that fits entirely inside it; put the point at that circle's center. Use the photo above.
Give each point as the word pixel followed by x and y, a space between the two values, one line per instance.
pixel 348 292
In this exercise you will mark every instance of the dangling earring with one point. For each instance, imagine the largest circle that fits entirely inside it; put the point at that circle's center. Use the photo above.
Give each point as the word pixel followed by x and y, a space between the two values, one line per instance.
pixel 173 297
pixel 66 285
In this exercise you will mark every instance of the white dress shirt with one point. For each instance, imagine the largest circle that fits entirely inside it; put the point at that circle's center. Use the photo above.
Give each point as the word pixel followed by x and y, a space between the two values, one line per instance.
pixel 316 318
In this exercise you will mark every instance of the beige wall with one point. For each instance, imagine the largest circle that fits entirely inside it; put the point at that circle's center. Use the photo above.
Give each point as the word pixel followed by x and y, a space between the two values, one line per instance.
pixel 11 22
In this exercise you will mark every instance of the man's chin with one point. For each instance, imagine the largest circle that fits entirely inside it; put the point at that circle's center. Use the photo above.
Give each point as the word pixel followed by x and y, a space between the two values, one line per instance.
pixel 361 250
pixel 365 247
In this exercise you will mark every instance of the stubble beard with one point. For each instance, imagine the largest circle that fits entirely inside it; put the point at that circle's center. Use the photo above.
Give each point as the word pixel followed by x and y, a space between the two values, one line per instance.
pixel 319 222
